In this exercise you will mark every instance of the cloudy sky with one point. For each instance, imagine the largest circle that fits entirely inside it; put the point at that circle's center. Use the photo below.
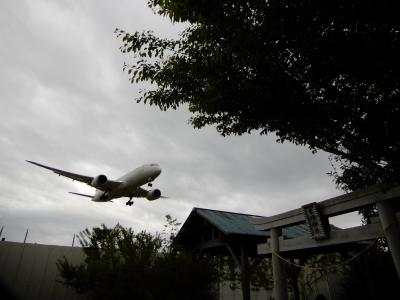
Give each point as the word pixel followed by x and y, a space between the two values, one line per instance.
pixel 65 102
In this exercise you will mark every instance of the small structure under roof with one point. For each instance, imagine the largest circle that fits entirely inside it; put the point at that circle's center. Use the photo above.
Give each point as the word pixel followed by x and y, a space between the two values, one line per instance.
pixel 231 234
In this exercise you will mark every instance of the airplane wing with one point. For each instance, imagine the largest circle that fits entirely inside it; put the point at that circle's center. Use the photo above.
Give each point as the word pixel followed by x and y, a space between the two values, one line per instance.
pixel 83 195
pixel 110 184
pixel 140 192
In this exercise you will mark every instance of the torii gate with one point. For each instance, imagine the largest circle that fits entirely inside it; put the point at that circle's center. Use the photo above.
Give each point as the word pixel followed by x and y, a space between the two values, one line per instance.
pixel 387 200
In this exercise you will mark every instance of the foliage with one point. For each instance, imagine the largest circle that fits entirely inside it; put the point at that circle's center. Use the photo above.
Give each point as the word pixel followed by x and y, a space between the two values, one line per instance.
pixel 316 268
pixel 228 272
pixel 170 231
pixel 316 73
pixel 260 273
pixel 121 264
pixel 371 277
pixel 261 276
pixel 361 275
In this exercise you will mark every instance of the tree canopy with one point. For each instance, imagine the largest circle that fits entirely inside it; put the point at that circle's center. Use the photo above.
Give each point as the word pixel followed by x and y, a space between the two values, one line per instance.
pixel 121 264
pixel 319 73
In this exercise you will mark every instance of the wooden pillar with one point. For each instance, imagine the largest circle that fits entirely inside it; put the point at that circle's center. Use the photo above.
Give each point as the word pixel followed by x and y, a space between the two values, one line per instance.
pixel 278 267
pixel 245 278
pixel 243 265
pixel 390 225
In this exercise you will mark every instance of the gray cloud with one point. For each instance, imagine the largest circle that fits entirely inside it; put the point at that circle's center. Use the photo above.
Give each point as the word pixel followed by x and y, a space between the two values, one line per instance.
pixel 65 102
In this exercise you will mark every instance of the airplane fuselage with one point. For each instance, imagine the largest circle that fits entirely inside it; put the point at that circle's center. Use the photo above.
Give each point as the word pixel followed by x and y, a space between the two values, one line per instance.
pixel 130 183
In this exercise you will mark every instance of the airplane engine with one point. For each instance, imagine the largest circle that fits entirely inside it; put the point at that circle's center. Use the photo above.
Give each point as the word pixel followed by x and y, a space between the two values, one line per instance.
pixel 99 181
pixel 153 195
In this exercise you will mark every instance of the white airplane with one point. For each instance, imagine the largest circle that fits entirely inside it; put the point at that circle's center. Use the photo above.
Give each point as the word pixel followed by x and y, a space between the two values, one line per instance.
pixel 128 185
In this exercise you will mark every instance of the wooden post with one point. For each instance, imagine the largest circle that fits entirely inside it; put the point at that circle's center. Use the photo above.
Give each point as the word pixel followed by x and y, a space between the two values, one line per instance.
pixel 244 259
pixel 278 267
pixel 243 265
pixel 390 225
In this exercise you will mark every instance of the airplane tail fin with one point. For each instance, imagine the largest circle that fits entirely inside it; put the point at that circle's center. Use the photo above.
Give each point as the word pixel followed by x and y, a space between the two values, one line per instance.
pixel 83 195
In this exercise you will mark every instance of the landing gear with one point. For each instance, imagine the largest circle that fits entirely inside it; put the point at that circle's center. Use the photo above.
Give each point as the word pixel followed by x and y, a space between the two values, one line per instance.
pixel 130 202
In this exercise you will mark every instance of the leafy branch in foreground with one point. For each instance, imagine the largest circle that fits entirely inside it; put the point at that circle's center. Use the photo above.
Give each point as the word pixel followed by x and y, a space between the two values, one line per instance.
pixel 324 75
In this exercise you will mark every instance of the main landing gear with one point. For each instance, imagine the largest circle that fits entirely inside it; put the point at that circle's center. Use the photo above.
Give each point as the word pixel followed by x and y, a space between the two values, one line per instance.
pixel 130 202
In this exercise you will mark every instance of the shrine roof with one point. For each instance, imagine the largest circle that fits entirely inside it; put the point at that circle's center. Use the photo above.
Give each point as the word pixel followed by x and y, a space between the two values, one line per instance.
pixel 231 223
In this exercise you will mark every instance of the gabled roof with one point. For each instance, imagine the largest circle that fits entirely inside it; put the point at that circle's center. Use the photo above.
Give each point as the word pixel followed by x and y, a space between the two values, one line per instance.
pixel 230 223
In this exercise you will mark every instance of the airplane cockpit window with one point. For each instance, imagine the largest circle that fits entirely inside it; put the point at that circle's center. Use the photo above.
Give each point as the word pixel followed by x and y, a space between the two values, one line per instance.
pixel 153 165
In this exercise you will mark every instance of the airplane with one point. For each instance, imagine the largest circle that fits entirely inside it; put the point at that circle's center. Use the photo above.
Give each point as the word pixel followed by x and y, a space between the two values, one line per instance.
pixel 128 185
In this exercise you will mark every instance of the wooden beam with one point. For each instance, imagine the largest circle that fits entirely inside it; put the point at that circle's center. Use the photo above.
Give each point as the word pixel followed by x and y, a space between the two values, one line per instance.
pixel 291 217
pixel 234 256
pixel 337 237
pixel 209 244
pixel 280 290
pixel 390 222
pixel 331 207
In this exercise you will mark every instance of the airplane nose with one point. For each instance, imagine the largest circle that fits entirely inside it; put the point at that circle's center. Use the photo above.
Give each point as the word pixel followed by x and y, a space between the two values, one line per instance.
pixel 158 171
pixel 155 170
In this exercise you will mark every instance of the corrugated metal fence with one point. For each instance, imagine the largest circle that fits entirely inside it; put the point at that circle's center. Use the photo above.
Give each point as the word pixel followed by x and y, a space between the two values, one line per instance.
pixel 28 271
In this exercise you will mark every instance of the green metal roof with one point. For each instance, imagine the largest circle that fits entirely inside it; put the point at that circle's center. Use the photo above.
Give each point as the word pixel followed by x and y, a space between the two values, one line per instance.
pixel 235 223
pixel 230 223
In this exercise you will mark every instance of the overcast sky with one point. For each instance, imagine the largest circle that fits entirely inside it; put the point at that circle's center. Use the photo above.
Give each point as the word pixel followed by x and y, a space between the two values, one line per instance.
pixel 65 102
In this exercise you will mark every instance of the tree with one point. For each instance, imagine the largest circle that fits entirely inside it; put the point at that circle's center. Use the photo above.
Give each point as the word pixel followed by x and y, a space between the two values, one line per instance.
pixel 120 264
pixel 371 277
pixel 316 73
